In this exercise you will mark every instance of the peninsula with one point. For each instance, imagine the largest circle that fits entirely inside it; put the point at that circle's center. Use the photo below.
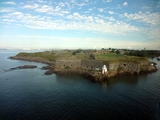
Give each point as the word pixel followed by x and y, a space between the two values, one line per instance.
pixel 89 63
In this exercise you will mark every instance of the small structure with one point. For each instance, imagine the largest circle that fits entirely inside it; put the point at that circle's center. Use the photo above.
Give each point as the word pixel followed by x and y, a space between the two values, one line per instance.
pixel 104 69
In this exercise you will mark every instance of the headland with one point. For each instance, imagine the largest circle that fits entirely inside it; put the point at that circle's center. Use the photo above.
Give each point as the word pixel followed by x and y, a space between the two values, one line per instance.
pixel 89 63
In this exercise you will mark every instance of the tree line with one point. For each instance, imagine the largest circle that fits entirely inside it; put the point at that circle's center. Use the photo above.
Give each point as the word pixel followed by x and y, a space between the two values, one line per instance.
pixel 141 53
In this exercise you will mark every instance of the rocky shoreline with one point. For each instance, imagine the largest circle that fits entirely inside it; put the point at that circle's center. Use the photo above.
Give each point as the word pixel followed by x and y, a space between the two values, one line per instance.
pixel 90 75
pixel 102 77
pixel 24 67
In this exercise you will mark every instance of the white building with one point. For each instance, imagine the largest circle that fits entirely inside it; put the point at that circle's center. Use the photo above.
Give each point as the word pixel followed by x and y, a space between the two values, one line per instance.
pixel 104 69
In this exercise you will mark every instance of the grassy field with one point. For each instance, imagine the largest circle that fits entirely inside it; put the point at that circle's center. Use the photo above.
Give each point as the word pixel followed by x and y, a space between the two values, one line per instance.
pixel 65 54
pixel 46 55
pixel 112 57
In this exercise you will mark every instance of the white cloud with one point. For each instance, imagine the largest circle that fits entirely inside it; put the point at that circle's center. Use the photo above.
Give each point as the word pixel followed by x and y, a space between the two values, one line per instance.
pixel 61 4
pixel 81 4
pixel 6 10
pixel 110 18
pixel 41 1
pixel 44 8
pixel 110 12
pixel 72 1
pixel 10 3
pixel 8 20
pixel 76 22
pixel 77 16
pixel 149 18
pixel 30 17
pixel 50 10
pixel 31 6
pixel 99 25
pixel 107 0
pixel 100 10
pixel 125 3
pixel 57 8
pixel 17 14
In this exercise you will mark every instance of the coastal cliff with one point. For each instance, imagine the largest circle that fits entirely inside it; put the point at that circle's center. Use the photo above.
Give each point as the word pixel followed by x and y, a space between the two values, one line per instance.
pixel 122 69
pixel 92 68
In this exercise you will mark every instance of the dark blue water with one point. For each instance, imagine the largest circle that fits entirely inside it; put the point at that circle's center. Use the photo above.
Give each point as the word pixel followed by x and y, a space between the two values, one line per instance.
pixel 29 94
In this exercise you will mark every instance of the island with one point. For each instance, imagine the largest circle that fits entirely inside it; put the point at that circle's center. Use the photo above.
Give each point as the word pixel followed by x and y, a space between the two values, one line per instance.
pixel 90 63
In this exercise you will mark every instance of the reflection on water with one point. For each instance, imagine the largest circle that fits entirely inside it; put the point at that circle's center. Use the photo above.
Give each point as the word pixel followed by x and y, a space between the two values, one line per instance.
pixel 129 79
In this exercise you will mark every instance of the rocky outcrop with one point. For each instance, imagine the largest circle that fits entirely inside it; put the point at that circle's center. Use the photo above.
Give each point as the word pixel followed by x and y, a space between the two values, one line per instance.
pixel 49 68
pixel 24 67
pixel 148 69
pixel 49 72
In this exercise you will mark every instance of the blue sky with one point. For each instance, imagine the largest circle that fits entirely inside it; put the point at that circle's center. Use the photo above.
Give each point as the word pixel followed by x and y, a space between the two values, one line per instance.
pixel 59 24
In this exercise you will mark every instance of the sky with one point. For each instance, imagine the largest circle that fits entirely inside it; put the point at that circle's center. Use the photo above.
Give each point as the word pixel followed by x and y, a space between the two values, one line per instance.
pixel 85 24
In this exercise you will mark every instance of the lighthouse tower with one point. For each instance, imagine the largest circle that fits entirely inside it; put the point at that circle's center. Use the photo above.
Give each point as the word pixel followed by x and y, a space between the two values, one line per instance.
pixel 104 69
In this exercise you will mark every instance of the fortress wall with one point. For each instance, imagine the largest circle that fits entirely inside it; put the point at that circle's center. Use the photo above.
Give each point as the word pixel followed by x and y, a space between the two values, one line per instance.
pixel 130 67
pixel 72 64
pixel 125 66
pixel 91 64
pixel 143 62
pixel 63 63
pixel 113 66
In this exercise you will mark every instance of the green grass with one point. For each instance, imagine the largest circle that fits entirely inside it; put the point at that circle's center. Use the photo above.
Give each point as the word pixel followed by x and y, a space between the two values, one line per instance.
pixel 46 55
pixel 64 54
pixel 82 56
pixel 51 56
pixel 112 57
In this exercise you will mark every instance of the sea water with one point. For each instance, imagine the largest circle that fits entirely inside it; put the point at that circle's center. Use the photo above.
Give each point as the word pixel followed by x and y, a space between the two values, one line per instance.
pixel 30 94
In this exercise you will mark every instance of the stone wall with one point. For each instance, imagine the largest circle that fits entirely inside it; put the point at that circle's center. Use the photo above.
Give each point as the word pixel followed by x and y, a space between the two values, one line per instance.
pixel 72 64
pixel 78 65
pixel 91 64
pixel 127 66
pixel 67 63
pixel 113 66
pixel 143 62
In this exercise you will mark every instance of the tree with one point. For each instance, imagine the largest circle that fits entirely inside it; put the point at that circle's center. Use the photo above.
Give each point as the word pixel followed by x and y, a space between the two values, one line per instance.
pixel 113 50
pixel 92 56
pixel 77 51
pixel 102 49
pixel 74 53
pixel 118 52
